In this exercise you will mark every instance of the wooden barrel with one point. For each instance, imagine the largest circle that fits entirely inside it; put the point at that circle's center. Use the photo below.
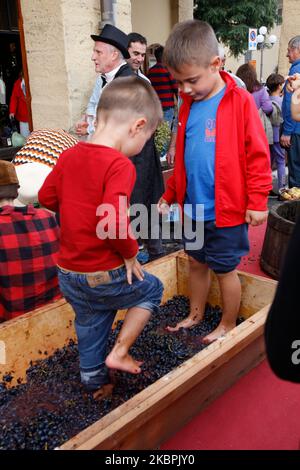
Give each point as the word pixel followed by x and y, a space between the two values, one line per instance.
pixel 281 223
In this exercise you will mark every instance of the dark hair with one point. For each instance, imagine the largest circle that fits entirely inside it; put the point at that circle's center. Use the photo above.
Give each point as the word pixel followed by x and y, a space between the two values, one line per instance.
pixel 136 37
pixel 191 42
pixel 273 81
pixel 159 53
pixel 248 74
pixel 131 96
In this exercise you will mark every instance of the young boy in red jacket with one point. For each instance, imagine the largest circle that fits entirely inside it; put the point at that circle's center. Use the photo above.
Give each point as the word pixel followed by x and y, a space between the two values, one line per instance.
pixel 97 267
pixel 222 162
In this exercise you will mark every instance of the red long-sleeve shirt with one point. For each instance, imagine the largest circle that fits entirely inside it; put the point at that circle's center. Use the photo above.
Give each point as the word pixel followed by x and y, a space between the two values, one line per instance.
pixel 84 187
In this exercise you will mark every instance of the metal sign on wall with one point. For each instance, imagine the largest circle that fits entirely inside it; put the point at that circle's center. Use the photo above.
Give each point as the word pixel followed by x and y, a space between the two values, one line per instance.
pixel 252 39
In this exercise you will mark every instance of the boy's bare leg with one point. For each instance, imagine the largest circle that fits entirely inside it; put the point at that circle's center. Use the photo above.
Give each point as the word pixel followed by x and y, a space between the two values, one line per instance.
pixel 230 288
pixel 134 323
pixel 199 281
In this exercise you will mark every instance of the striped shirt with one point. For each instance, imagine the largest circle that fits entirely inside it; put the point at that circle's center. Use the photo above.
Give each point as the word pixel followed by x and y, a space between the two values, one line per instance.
pixel 164 85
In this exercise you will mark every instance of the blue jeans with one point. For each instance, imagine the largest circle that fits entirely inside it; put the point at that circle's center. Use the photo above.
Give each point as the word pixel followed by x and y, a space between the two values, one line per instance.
pixel 95 309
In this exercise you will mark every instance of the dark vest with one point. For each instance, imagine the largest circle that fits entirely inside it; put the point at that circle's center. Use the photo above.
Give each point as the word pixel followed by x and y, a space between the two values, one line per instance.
pixel 149 180
pixel 124 71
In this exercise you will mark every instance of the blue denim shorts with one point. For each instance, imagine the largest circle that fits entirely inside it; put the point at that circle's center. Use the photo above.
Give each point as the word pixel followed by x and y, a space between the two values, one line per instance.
pixel 223 247
pixel 95 309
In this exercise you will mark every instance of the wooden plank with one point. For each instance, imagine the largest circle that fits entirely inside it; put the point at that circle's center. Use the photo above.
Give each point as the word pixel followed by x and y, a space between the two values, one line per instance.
pixel 158 411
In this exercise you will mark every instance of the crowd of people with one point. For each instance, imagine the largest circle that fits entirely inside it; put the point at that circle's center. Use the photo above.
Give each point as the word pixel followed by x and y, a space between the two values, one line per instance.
pixel 227 128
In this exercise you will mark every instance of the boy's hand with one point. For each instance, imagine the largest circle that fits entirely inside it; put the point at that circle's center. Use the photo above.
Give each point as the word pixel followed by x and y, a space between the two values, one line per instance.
pixel 162 206
pixel 255 218
pixel 133 267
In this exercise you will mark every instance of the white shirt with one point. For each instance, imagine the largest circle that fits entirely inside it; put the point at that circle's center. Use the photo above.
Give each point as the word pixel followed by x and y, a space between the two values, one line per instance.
pixel 96 93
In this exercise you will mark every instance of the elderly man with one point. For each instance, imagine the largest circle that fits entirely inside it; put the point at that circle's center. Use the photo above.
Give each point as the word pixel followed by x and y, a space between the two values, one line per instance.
pixel 290 138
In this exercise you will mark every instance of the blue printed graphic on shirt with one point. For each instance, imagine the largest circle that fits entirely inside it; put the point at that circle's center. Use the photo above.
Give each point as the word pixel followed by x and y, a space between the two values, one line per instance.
pixel 199 157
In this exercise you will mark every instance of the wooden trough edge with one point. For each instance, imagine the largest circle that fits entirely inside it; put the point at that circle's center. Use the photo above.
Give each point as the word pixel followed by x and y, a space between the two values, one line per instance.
pixel 153 415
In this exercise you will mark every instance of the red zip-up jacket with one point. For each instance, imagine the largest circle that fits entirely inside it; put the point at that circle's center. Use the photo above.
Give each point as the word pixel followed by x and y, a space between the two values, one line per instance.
pixel 243 176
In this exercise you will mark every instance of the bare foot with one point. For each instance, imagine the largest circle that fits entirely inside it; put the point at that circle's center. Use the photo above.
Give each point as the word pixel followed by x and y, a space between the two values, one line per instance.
pixel 186 323
pixel 125 363
pixel 219 332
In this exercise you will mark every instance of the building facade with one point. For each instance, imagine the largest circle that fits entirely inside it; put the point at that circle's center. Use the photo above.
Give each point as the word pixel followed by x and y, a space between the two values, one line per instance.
pixel 58 48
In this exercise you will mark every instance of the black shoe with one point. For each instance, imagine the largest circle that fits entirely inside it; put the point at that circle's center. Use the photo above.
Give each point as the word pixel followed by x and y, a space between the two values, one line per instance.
pixel 272 194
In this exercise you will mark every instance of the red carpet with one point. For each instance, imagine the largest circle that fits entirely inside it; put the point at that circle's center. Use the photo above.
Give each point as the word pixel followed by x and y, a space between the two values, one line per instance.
pixel 259 412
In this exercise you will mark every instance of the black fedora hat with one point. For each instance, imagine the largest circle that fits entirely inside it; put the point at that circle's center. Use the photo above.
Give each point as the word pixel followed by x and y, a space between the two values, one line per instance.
pixel 114 36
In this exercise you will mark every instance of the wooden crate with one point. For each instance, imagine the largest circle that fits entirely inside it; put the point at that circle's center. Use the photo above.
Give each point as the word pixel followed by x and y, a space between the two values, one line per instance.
pixel 153 415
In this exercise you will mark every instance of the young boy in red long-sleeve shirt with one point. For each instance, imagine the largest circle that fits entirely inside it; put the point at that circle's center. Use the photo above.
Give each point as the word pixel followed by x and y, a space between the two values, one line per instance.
pixel 222 163
pixel 97 267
